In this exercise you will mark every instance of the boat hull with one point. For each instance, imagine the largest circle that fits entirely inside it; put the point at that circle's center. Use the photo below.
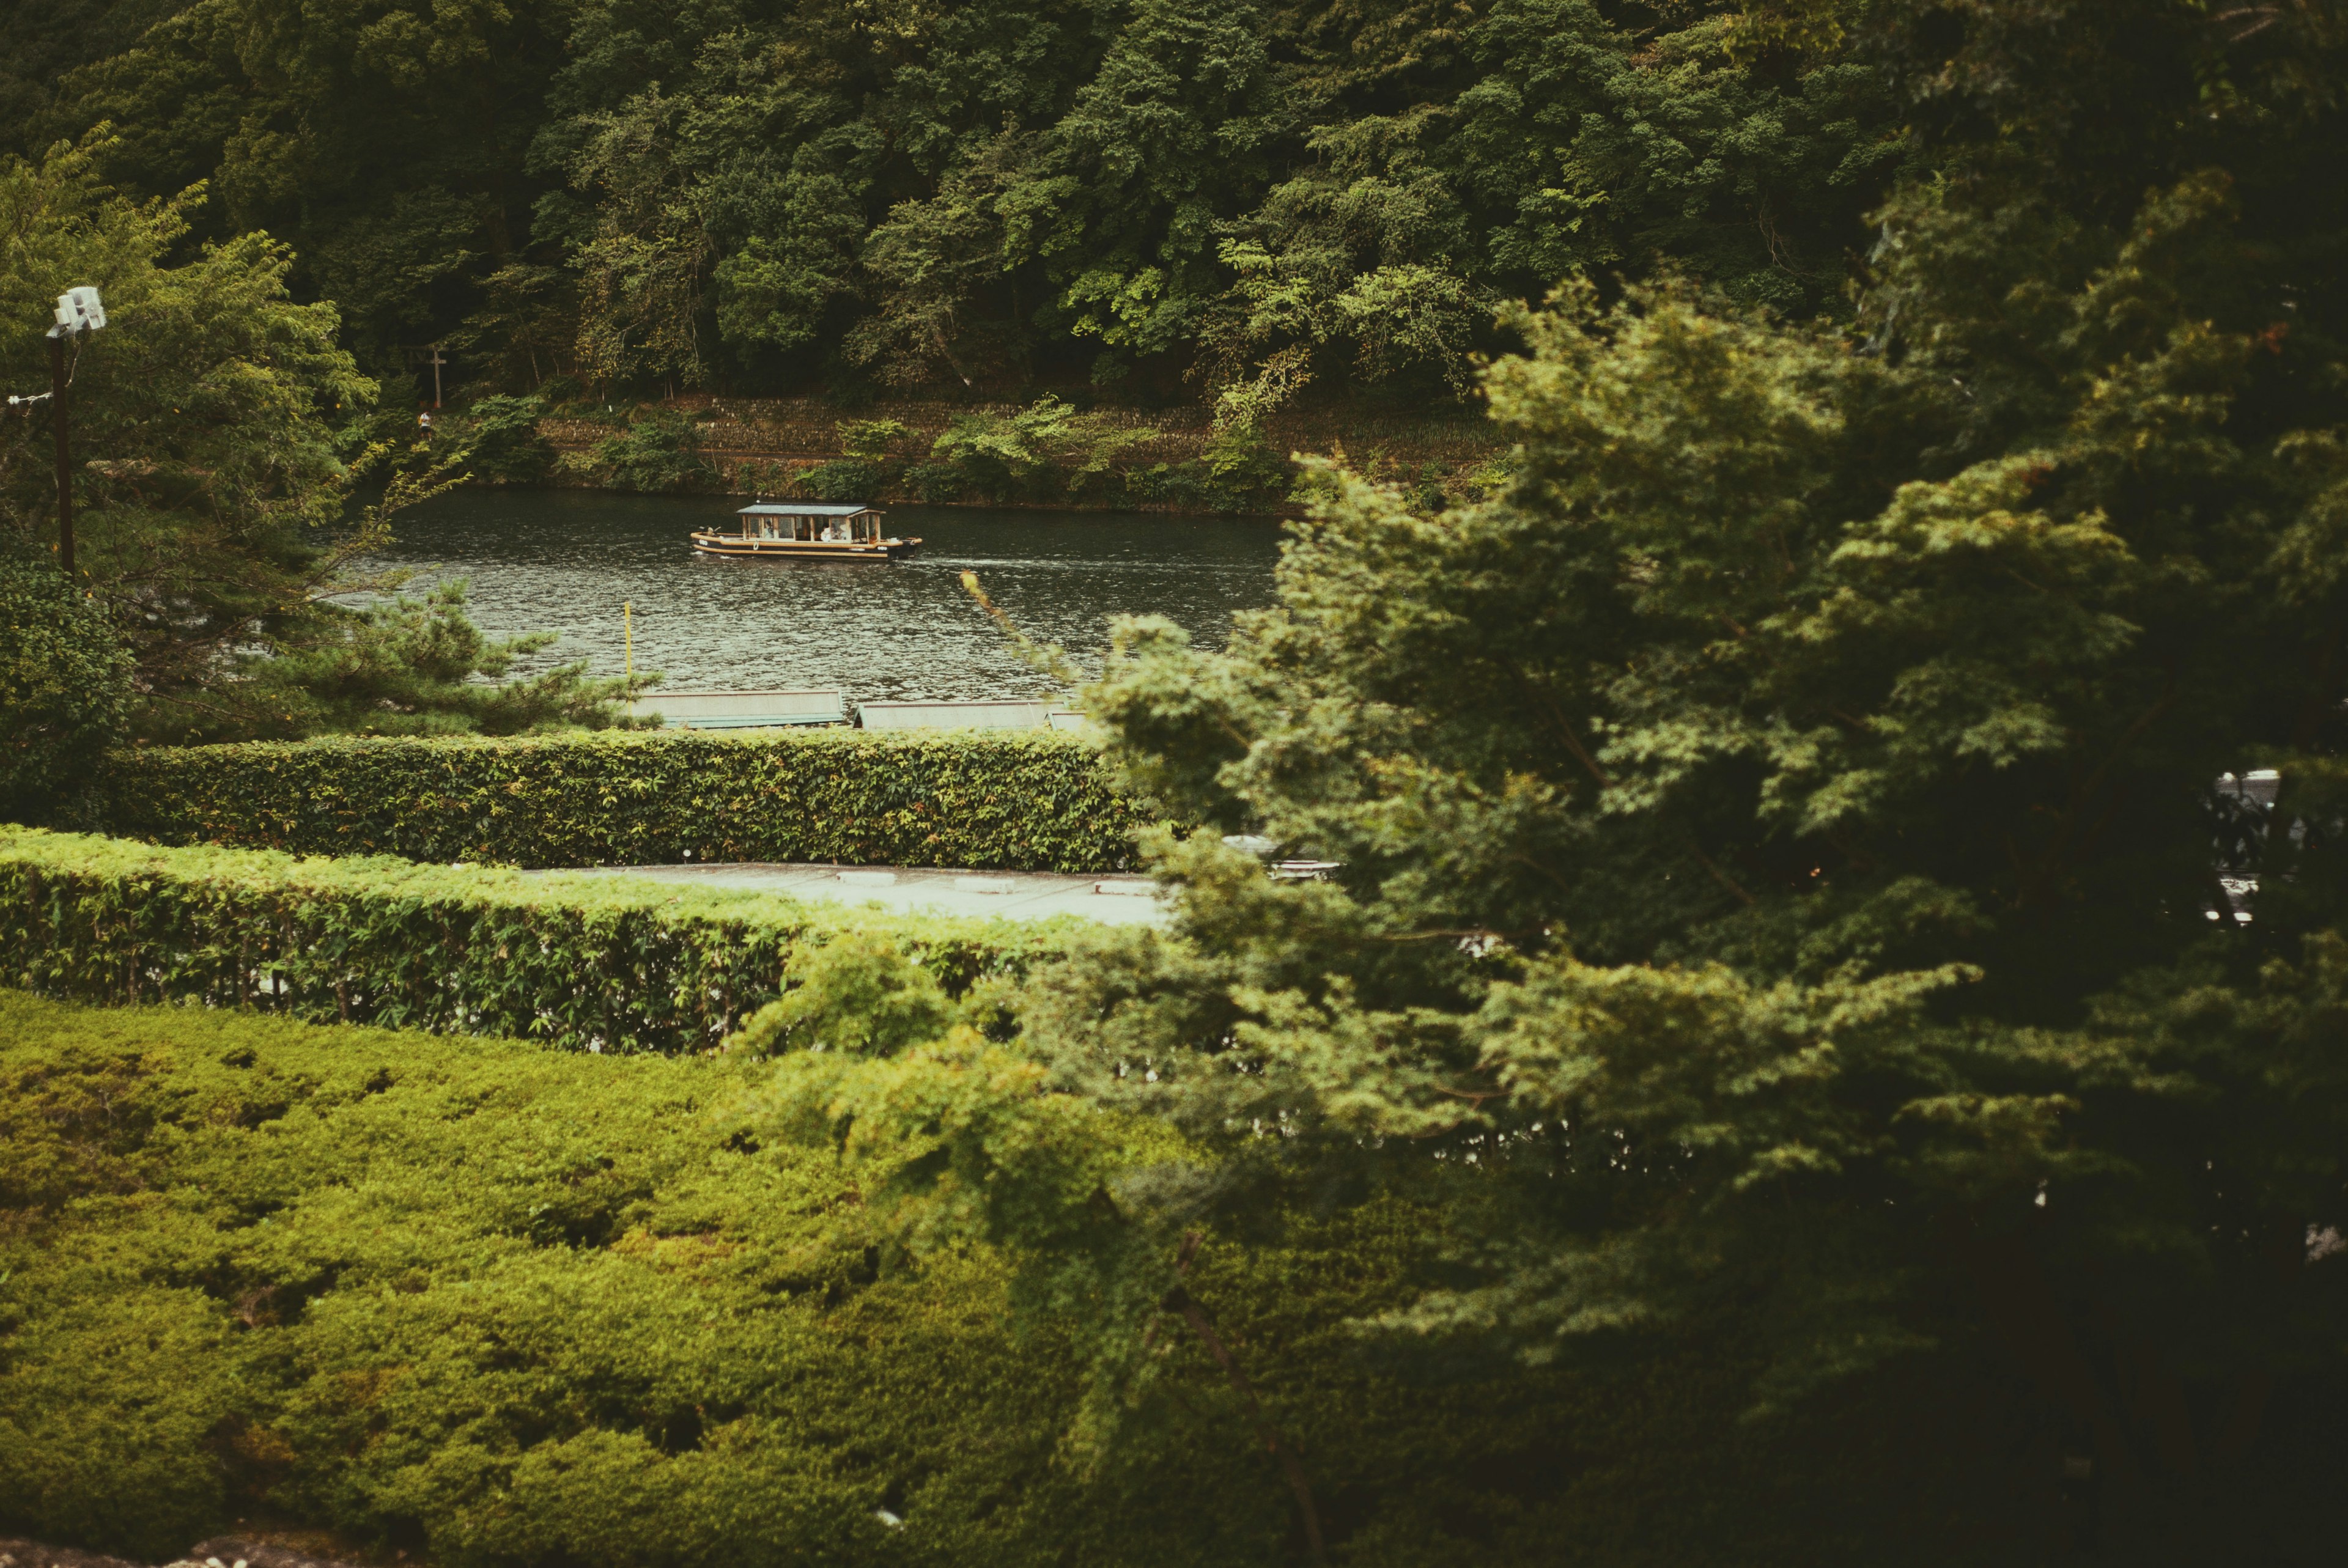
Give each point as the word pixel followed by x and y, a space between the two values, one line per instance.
pixel 802 550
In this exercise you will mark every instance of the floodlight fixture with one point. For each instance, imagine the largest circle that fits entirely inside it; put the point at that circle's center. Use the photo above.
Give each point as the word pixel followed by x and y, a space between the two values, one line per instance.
pixel 78 310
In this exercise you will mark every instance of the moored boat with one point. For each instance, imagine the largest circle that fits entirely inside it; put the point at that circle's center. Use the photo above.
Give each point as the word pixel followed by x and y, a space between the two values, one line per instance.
pixel 823 531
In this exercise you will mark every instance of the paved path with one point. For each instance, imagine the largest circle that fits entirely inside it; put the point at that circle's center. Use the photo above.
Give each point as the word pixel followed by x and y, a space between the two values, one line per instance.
pixel 1018 894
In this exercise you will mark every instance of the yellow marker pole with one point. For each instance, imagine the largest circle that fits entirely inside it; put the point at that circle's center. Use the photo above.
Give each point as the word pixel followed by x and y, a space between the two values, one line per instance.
pixel 628 632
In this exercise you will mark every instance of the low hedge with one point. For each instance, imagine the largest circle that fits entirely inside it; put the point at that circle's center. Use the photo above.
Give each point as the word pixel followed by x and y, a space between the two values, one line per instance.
pixel 581 962
pixel 1002 801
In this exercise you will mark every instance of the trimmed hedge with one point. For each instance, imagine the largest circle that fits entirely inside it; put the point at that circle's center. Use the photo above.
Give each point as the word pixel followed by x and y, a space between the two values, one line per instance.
pixel 1013 803
pixel 580 962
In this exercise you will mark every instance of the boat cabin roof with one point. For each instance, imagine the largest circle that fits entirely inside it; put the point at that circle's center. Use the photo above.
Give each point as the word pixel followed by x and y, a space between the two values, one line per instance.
pixel 804 509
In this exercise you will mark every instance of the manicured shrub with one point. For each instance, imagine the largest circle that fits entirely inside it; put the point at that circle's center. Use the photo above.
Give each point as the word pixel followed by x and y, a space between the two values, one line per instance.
pixel 1016 802
pixel 506 1306
pixel 593 963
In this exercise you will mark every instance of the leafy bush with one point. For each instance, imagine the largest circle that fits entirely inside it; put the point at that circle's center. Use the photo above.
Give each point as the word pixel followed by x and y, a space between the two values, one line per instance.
pixel 414 667
pixel 1048 451
pixel 844 479
pixel 1027 803
pixel 64 685
pixel 764 476
pixel 660 451
pixel 508 1307
pixel 934 482
pixel 873 439
pixel 498 441
pixel 593 963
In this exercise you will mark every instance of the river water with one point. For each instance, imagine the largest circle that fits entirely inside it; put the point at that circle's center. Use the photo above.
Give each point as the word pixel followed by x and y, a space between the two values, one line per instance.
pixel 566 560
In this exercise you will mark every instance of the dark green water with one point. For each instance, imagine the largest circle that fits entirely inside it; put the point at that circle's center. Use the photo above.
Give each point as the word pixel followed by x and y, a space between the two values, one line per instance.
pixel 565 561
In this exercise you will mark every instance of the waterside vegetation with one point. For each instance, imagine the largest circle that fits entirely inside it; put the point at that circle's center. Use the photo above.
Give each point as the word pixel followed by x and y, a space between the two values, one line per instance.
pixel 1151 200
pixel 1821 1034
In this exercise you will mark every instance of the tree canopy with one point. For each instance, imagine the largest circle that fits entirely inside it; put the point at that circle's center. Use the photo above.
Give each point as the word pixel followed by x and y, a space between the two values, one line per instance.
pixel 1841 856
pixel 762 193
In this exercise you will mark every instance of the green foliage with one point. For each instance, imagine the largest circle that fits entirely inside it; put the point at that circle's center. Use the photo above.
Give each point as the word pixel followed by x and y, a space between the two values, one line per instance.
pixel 873 440
pixel 1008 193
pixel 1787 841
pixel 842 479
pixel 498 442
pixel 65 687
pixel 408 667
pixel 517 1309
pixel 383 142
pixel 658 451
pixel 1049 451
pixel 869 469
pixel 584 963
pixel 858 993
pixel 211 504
pixel 575 1315
pixel 1040 803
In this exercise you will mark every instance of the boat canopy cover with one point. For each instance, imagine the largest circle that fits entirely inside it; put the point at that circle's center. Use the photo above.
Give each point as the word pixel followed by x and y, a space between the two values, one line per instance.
pixel 804 509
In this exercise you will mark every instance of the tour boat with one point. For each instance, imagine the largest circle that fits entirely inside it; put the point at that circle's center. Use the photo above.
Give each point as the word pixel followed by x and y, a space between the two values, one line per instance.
pixel 826 530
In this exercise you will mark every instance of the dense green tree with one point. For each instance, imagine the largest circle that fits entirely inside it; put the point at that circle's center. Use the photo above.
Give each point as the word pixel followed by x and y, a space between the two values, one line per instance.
pixel 384 140
pixel 768 191
pixel 1800 872
pixel 209 490
pixel 41 45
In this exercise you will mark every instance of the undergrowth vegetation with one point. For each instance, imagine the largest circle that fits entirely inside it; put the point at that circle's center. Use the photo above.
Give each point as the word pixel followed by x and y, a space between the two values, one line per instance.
pixel 507 1308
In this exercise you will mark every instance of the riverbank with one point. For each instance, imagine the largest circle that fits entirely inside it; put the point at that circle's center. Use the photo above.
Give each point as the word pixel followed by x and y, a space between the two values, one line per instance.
pixel 1043 454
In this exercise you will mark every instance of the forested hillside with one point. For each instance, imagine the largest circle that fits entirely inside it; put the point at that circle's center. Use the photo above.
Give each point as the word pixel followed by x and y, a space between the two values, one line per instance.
pixel 1151 199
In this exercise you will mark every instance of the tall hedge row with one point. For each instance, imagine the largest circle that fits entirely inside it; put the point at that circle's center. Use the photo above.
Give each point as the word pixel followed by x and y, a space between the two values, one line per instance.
pixel 581 962
pixel 1010 802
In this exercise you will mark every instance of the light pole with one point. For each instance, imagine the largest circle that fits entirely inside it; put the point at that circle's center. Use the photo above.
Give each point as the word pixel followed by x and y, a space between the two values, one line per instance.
pixel 78 310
